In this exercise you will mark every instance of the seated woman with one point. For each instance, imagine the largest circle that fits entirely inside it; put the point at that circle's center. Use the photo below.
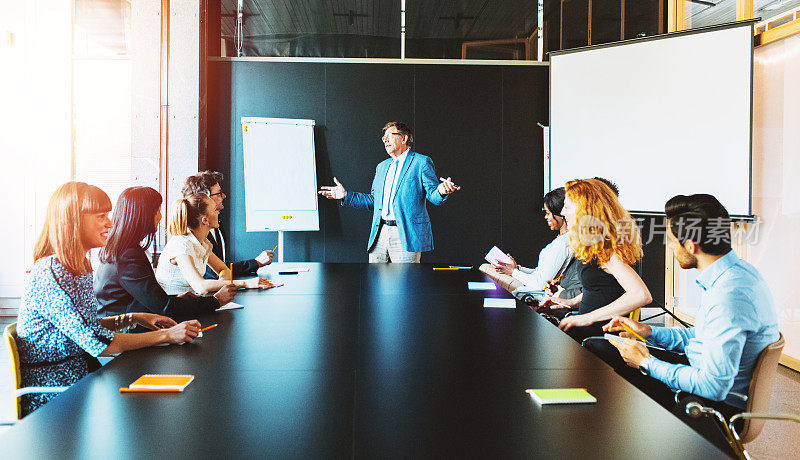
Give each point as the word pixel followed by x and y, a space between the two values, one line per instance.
pixel 59 334
pixel 125 281
pixel 606 240
pixel 554 258
pixel 188 251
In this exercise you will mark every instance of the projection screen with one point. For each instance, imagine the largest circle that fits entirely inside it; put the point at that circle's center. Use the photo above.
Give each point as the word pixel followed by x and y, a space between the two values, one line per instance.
pixel 659 116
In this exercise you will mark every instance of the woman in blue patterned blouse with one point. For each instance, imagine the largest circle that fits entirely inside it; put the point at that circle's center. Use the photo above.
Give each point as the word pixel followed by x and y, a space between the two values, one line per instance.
pixel 59 333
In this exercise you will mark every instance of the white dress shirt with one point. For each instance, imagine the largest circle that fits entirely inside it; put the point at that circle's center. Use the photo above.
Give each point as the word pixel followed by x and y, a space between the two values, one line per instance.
pixel 390 186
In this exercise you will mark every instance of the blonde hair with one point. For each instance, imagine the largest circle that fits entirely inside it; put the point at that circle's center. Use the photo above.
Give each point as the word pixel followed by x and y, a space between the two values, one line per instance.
pixel 603 227
pixel 63 225
pixel 186 213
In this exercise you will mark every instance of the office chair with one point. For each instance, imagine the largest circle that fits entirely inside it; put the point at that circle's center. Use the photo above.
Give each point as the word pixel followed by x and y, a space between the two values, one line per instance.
pixel 758 398
pixel 10 336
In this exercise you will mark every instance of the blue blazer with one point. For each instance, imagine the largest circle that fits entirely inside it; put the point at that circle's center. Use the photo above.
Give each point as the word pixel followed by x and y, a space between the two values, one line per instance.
pixel 417 182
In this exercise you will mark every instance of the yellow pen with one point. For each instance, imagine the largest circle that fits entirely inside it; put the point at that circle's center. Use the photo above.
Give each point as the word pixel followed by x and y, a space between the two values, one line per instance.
pixel 632 331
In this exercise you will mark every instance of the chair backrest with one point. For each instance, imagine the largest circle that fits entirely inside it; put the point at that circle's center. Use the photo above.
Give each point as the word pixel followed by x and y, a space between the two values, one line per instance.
pixel 10 336
pixel 758 396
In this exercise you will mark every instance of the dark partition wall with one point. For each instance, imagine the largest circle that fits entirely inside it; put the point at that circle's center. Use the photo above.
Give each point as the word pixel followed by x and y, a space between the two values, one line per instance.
pixel 477 123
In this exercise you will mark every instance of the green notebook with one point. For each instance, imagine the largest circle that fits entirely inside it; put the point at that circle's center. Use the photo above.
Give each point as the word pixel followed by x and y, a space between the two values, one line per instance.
pixel 561 396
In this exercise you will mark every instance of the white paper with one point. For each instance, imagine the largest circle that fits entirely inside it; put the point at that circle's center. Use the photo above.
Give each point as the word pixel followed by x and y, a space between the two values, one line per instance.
pixel 616 339
pixel 499 303
pixel 480 286
pixel 294 269
pixel 230 306
pixel 497 255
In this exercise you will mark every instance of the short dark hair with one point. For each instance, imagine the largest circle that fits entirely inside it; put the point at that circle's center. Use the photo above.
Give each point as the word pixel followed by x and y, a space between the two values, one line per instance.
pixel 201 183
pixel 402 128
pixel 133 223
pixel 702 219
pixel 554 200
pixel 610 184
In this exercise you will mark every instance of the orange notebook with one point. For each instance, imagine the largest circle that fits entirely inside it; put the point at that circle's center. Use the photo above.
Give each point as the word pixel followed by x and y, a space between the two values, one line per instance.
pixel 162 382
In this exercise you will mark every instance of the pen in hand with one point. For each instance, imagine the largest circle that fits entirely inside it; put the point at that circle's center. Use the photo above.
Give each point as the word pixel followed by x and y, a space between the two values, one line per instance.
pixel 450 182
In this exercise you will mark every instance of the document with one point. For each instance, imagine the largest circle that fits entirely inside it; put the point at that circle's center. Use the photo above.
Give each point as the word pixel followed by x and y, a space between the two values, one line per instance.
pixel 480 286
pixel 496 255
pixel 230 306
pixel 499 303
pixel 617 339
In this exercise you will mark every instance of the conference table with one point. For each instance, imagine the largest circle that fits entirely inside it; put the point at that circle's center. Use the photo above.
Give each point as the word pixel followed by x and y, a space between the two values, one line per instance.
pixel 360 361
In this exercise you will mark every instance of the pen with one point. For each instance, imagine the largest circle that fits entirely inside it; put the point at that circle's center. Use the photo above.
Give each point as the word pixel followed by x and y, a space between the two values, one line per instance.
pixel 207 328
pixel 149 390
pixel 231 273
pixel 445 268
pixel 275 249
pixel 632 331
pixel 553 287
pixel 448 181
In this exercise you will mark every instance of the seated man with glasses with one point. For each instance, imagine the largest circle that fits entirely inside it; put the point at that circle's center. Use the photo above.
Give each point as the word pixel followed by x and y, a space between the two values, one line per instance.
pixel 401 227
pixel 207 182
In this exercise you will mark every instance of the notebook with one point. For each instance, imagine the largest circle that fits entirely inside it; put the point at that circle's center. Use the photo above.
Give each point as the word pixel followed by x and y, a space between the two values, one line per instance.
pixel 162 381
pixel 562 396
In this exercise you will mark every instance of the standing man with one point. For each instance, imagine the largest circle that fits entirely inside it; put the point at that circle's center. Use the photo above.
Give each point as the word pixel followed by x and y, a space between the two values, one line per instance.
pixel 207 182
pixel 401 227
pixel 735 322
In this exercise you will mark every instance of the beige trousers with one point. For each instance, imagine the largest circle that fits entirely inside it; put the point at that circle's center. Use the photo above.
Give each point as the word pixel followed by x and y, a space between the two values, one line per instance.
pixel 389 249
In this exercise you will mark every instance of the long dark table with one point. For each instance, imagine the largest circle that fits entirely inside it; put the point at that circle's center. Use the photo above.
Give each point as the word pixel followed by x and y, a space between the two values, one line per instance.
pixel 364 361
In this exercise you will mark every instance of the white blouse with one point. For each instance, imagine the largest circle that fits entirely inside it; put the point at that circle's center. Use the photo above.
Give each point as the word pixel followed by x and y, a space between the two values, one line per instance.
pixel 168 274
pixel 553 259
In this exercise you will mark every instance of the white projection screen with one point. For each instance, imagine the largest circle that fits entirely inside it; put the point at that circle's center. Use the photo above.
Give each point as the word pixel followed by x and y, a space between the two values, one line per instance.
pixel 659 116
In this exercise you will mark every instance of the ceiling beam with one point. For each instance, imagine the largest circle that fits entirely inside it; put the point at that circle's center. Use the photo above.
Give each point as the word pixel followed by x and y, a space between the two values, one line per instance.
pixel 744 10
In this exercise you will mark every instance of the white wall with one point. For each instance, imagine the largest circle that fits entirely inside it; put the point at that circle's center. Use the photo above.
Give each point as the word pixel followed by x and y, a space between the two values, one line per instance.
pixel 776 180
pixel 35 126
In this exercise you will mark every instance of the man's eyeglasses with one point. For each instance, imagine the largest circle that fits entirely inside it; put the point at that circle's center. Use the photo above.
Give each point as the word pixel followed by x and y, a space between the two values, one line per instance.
pixel 215 194
pixel 386 135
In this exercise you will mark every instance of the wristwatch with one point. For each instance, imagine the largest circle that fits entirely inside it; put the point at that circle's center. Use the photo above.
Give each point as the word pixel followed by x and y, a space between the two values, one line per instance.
pixel 644 365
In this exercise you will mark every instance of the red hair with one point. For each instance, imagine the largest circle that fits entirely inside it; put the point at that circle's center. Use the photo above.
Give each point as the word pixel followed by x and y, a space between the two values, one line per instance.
pixel 603 227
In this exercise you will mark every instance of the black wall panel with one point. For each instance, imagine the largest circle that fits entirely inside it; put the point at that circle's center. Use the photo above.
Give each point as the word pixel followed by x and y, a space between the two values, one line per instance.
pixel 361 98
pixel 522 183
pixel 477 123
pixel 459 125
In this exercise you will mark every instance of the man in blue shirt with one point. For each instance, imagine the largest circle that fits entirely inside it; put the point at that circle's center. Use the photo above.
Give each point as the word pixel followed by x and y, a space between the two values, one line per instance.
pixel 401 227
pixel 735 322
